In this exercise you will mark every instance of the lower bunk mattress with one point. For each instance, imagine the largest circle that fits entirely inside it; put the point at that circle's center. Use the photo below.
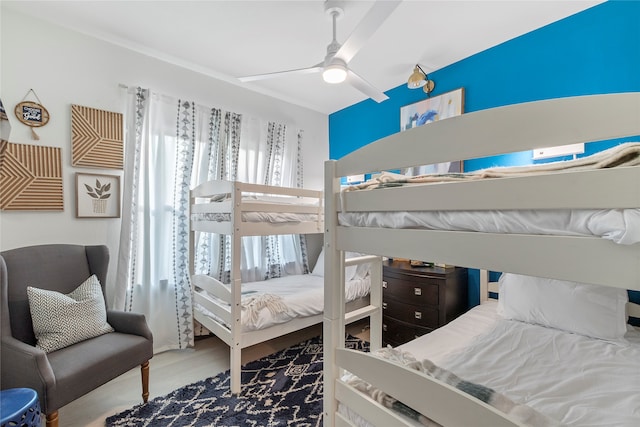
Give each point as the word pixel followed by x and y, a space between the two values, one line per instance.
pixel 279 300
pixel 572 379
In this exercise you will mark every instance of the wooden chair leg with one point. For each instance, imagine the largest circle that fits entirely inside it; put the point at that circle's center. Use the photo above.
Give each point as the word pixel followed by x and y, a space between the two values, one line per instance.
pixel 52 419
pixel 144 368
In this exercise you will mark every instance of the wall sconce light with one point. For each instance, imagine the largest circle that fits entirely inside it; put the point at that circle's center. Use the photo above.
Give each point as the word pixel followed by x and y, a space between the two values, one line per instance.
pixel 420 79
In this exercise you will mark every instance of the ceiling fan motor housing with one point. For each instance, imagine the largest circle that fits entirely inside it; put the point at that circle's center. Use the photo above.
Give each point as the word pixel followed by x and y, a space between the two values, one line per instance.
pixel 332 7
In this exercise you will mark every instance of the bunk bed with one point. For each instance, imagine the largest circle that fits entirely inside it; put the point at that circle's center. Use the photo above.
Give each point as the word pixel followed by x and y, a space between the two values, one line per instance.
pixel 244 314
pixel 569 258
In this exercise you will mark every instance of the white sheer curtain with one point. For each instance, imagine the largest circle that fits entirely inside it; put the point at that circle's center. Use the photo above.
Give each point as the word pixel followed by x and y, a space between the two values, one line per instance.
pixel 171 146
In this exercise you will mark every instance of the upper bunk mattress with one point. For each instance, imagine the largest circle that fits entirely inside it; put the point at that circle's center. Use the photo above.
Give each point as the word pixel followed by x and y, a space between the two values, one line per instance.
pixel 270 217
pixel 266 215
pixel 618 225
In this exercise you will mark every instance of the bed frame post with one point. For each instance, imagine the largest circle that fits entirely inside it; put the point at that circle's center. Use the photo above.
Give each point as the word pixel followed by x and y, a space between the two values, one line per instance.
pixel 235 349
pixel 334 298
pixel 375 299
pixel 484 286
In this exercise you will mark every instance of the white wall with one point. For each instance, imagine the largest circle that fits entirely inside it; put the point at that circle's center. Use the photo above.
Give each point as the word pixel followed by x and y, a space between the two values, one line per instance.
pixel 65 67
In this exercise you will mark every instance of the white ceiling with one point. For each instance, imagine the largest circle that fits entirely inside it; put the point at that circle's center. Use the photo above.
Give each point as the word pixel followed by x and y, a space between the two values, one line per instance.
pixel 229 39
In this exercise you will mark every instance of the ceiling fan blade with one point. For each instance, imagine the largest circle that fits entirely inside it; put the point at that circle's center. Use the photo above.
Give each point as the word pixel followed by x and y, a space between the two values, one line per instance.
pixel 365 87
pixel 378 13
pixel 314 69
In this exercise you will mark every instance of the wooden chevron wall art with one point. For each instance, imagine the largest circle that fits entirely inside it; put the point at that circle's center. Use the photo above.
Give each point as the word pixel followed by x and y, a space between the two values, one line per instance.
pixel 30 177
pixel 96 138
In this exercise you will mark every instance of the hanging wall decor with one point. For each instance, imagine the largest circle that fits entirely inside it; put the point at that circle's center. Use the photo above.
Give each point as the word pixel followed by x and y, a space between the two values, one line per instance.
pixel 30 177
pixel 5 125
pixel 97 196
pixel 31 113
pixel 96 138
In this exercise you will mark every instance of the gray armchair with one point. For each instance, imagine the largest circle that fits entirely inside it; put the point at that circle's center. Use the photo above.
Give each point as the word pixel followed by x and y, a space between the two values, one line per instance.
pixel 66 374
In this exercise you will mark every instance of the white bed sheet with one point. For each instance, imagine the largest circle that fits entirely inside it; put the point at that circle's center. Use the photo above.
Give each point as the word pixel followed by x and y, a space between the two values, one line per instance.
pixel 573 379
pixel 619 225
pixel 302 294
pixel 271 217
pixel 278 200
pixel 260 216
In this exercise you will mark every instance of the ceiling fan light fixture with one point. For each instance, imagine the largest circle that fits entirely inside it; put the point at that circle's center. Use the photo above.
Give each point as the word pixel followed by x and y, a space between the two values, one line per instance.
pixel 334 73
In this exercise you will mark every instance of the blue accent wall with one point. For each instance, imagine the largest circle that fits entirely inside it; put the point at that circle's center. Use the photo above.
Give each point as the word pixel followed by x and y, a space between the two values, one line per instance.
pixel 592 52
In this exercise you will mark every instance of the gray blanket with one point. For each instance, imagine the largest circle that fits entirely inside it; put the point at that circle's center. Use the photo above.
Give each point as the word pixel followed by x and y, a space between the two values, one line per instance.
pixel 518 412
pixel 627 154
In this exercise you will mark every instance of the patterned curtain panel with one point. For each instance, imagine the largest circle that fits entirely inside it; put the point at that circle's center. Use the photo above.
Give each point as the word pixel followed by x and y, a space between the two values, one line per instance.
pixel 153 267
pixel 218 161
pixel 252 150
pixel 283 168
pixel 171 146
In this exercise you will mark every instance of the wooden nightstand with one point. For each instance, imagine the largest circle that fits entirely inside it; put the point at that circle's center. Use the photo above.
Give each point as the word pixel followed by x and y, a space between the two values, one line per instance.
pixel 417 300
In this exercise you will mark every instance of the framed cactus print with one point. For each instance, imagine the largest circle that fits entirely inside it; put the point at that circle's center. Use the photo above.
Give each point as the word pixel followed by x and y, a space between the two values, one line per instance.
pixel 97 196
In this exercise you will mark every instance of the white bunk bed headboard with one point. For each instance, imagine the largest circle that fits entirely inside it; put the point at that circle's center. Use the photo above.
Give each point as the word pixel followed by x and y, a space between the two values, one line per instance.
pixel 506 129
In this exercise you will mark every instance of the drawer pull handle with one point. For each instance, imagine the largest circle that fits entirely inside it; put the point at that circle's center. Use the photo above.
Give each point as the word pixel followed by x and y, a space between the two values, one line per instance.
pixel 417 291
pixel 384 327
pixel 384 305
pixel 384 284
pixel 418 315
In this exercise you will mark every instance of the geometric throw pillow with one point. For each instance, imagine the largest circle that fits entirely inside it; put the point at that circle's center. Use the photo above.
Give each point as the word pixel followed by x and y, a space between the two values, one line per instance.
pixel 61 320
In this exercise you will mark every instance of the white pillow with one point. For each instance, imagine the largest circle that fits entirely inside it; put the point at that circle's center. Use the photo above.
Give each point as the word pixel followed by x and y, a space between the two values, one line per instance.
pixel 318 269
pixel 591 310
pixel 61 320
pixel 350 273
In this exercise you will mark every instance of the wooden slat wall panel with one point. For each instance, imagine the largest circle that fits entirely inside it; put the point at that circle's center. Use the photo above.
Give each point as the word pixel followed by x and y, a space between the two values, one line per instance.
pixel 96 138
pixel 30 177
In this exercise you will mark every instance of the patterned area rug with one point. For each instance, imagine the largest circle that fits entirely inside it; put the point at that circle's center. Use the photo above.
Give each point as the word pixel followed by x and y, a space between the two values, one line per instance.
pixel 283 389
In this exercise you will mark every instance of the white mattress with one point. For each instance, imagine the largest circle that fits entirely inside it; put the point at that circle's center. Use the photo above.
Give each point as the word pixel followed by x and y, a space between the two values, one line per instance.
pixel 573 379
pixel 619 225
pixel 271 217
pixel 260 216
pixel 302 294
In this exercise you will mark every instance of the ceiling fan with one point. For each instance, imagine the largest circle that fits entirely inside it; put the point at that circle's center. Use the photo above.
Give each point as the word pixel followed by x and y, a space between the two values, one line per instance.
pixel 334 67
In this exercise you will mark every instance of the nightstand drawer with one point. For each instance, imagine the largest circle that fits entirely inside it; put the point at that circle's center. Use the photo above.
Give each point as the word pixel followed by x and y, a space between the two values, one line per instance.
pixel 405 288
pixel 410 313
pixel 416 300
pixel 395 332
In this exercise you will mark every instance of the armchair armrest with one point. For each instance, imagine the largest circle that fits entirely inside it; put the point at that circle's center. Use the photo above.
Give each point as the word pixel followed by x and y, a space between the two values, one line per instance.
pixel 24 365
pixel 129 323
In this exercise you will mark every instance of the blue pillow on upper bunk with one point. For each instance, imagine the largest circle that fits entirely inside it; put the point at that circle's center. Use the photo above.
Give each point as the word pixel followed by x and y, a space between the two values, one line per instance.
pixel 591 310
pixel 350 273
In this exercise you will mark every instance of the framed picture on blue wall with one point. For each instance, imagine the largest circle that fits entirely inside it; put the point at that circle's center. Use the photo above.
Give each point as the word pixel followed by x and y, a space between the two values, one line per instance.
pixel 430 110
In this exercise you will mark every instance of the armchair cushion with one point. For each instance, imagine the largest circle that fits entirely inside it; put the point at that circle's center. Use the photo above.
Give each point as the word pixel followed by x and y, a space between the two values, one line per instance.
pixel 60 320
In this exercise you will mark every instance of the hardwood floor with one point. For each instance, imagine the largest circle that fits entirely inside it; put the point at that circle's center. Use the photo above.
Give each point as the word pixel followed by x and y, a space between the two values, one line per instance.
pixel 173 369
